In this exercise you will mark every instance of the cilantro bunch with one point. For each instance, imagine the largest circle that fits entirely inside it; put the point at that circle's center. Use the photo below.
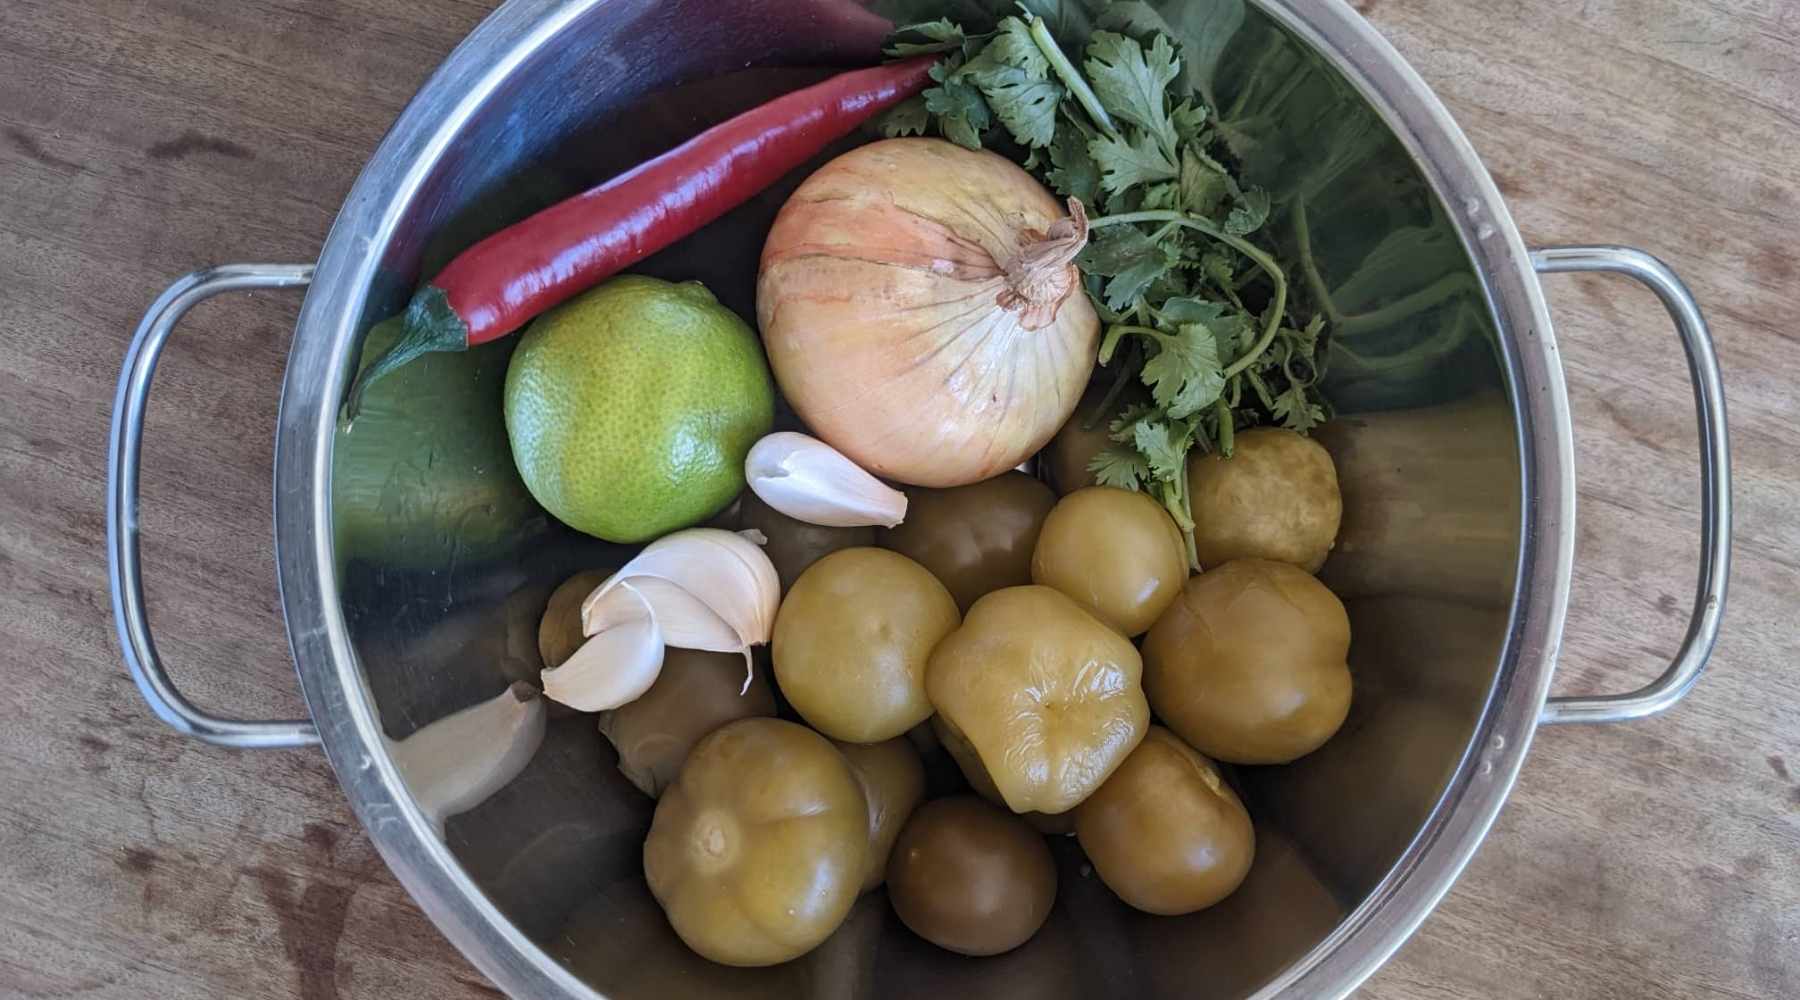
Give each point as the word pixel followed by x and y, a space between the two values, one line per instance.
pixel 1197 312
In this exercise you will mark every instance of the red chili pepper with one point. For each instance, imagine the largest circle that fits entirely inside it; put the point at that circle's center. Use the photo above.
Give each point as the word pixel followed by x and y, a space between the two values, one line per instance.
pixel 499 284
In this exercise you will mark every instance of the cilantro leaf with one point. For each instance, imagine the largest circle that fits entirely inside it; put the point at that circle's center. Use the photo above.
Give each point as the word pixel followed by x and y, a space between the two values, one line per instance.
pixel 1128 285
pixel 1204 184
pixel 1235 333
pixel 1173 283
pixel 1014 76
pixel 1185 376
pixel 1115 249
pixel 1122 468
pixel 1025 106
pixel 1125 163
pixel 1191 310
pixel 1217 266
pixel 1306 339
pixel 921 39
pixel 1164 445
pixel 1164 196
pixel 1296 410
pixel 1190 121
pixel 1204 30
pixel 1249 213
pixel 961 111
pixel 1095 286
pixel 1121 428
pixel 1132 83
pixel 1128 257
pixel 909 117
pixel 1012 46
pixel 1074 173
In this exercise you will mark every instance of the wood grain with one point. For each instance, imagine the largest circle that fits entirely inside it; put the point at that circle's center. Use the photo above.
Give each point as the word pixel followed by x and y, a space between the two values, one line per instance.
pixel 137 140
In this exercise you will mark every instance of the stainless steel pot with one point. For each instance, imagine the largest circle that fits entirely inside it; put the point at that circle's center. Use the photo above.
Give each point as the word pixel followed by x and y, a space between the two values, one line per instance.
pixel 412 568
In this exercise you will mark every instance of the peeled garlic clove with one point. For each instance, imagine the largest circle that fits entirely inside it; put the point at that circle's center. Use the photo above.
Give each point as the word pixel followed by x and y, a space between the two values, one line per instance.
pixel 810 481
pixel 457 762
pixel 618 663
pixel 724 572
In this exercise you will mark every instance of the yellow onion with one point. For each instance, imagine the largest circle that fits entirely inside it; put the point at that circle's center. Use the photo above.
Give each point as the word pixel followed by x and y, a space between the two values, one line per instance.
pixel 923 313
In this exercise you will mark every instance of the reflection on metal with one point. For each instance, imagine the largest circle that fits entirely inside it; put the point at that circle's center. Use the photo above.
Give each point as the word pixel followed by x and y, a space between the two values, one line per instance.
pixel 1375 250
pixel 1431 503
pixel 1423 668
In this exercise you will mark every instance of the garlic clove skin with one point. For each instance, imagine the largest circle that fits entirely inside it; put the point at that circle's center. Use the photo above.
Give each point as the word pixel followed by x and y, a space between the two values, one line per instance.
pixel 458 762
pixel 810 481
pixel 721 572
pixel 617 663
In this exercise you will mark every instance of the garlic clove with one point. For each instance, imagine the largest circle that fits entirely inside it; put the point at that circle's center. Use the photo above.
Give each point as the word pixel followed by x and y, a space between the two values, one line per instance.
pixel 748 548
pixel 685 620
pixel 810 481
pixel 723 572
pixel 458 762
pixel 616 664
pixel 615 607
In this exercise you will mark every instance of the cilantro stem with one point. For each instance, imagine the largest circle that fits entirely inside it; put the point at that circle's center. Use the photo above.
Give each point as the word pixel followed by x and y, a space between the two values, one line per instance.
pixel 1175 500
pixel 1227 429
pixel 1117 332
pixel 1231 293
pixel 1110 343
pixel 1069 75
pixel 1262 390
pixel 1277 310
pixel 1111 399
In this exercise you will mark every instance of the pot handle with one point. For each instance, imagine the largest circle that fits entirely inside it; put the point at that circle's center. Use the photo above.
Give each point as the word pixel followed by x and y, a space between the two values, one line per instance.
pixel 123 450
pixel 1715 485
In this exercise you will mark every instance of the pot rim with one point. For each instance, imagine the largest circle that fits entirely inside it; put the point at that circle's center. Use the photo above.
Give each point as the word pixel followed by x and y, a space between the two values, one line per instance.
pixel 338 696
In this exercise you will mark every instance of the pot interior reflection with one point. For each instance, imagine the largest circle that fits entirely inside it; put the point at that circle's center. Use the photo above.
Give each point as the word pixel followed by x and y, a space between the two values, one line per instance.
pixel 445 563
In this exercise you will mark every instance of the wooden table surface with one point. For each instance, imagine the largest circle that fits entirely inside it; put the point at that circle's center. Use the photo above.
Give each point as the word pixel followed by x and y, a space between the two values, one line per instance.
pixel 139 138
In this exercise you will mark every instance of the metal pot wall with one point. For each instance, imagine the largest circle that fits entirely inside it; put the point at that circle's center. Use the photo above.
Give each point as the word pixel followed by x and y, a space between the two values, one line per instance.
pixel 413 567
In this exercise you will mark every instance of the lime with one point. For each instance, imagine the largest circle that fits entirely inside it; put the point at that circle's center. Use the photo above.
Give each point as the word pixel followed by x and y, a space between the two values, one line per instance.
pixel 631 407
